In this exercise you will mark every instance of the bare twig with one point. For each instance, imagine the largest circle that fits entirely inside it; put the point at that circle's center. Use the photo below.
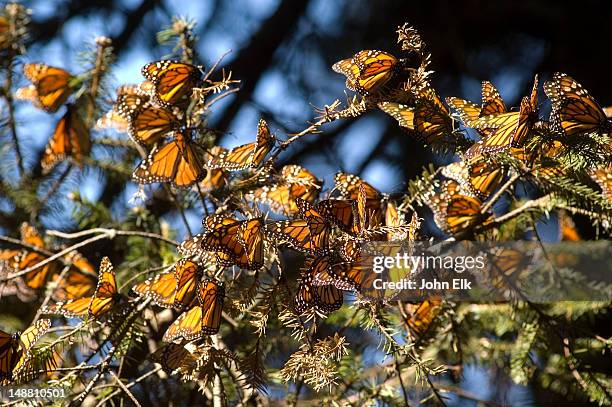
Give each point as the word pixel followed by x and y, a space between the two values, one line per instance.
pixel 536 203
pixel 219 97
pixel 499 193
pixel 129 385
pixel 125 389
pixel 114 232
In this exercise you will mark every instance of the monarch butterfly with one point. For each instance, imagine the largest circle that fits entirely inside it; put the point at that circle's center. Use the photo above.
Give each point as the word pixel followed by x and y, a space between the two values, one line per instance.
pixel 352 275
pixel 178 161
pixel 172 357
pixel 295 182
pixel 221 236
pixel 216 178
pixel 492 103
pixel 432 121
pixel 147 122
pixel 504 266
pixel 192 247
pixel 341 212
pixel 246 155
pixel 79 281
pixel 204 318
pixel 348 249
pixel 429 121
pixel 353 217
pixel 454 212
pixel 402 113
pixel 326 298
pixel 172 80
pixel 50 86
pixel 574 111
pixel 70 139
pixel 368 70
pixel 468 112
pixel 363 219
pixel 104 299
pixel 477 177
pixel 309 234
pixel 484 177
pixel 129 98
pixel 419 316
pixel 236 242
pixel 513 130
pixel 187 275
pixel 15 349
pixel 176 288
pixel 319 270
pixel 492 114
pixel 248 243
pixel 161 289
pixel 603 177
pixel 492 106
pixel 394 222
pixel 349 186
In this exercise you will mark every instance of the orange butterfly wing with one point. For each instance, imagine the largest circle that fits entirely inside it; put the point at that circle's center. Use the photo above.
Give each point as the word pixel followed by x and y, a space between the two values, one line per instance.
pixel 70 139
pixel 161 289
pixel 50 86
pixel 106 296
pixel 172 80
pixel 246 155
pixel 187 275
pixel 178 162
pixel 204 318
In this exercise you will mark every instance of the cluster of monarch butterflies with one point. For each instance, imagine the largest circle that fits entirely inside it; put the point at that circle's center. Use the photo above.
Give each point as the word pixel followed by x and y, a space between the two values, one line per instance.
pixel 153 114
pixel 77 281
pixel 471 181
pixel 51 89
pixel 358 214
pixel 328 232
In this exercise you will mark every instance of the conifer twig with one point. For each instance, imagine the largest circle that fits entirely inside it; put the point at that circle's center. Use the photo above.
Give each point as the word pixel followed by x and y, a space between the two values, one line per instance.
pixel 52 190
pixel 8 97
